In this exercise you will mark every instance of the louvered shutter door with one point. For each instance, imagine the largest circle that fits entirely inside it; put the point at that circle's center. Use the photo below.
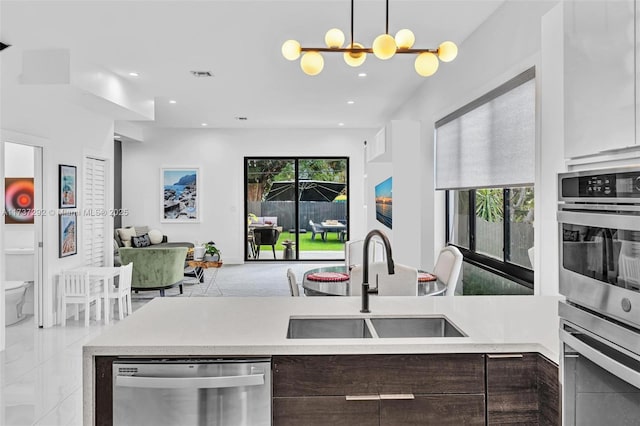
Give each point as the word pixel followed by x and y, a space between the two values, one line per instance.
pixel 94 217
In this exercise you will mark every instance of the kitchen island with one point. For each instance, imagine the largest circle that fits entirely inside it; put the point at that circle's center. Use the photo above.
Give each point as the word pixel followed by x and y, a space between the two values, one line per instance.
pixel 233 327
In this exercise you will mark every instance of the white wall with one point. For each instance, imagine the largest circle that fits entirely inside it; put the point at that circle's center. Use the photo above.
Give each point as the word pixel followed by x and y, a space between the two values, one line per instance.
pixel 220 156
pixel 69 133
pixel 508 43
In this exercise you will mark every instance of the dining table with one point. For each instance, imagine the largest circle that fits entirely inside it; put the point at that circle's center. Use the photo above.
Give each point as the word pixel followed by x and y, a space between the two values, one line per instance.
pixel 334 226
pixel 337 283
pixel 102 274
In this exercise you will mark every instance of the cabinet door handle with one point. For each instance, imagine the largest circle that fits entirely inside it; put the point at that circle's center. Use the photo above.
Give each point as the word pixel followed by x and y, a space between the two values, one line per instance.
pixel 397 396
pixel 362 397
pixel 500 356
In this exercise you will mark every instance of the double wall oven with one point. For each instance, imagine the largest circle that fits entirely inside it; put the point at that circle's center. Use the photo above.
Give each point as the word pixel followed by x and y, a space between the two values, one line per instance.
pixel 599 224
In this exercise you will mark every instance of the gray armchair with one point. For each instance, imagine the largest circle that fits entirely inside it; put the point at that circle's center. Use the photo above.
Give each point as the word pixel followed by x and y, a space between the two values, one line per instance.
pixel 317 229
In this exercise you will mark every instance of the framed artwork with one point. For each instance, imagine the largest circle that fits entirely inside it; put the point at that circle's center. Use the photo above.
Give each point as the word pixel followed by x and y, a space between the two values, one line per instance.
pixel 384 202
pixel 18 200
pixel 68 241
pixel 180 198
pixel 67 186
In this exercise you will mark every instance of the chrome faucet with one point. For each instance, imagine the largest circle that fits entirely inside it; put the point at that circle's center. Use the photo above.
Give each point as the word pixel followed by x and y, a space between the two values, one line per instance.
pixel 365 265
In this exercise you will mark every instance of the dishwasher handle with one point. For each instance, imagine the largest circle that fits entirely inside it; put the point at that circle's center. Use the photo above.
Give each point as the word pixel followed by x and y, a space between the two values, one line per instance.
pixel 189 382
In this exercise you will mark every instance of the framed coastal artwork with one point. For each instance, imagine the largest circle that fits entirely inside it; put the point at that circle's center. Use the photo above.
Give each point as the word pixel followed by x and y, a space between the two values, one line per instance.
pixel 67 186
pixel 18 200
pixel 384 202
pixel 180 194
pixel 68 241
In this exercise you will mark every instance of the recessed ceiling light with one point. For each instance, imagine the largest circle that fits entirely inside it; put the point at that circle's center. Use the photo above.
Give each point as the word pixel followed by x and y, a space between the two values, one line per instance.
pixel 362 74
pixel 134 74
pixel 340 124
pixel 204 124
pixel 172 101
pixel 351 102
pixel 117 136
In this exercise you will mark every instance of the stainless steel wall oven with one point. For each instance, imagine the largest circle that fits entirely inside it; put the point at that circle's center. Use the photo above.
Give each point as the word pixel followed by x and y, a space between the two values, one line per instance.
pixel 599 225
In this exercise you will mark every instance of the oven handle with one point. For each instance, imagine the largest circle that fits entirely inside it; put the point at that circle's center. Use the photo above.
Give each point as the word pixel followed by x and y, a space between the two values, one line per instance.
pixel 601 220
pixel 190 382
pixel 614 367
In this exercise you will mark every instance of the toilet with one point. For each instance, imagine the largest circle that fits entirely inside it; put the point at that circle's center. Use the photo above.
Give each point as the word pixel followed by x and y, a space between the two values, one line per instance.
pixel 14 295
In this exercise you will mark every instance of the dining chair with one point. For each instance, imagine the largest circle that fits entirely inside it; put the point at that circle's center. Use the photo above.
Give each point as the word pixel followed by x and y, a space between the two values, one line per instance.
pixel 78 289
pixel 293 283
pixel 266 237
pixel 448 267
pixel 121 293
pixel 353 252
pixel 403 282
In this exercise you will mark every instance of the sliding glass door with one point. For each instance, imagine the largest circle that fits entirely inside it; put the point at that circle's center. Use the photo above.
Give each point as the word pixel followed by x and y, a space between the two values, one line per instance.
pixel 296 208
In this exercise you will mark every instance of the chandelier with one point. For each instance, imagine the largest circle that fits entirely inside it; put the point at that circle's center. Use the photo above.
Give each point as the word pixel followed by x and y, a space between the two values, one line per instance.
pixel 384 47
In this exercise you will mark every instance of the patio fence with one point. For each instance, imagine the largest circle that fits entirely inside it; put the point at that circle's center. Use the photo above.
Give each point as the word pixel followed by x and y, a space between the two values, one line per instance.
pixel 317 211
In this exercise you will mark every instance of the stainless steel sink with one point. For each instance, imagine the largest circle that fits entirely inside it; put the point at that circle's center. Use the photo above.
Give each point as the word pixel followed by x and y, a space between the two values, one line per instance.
pixel 415 327
pixel 328 328
pixel 371 327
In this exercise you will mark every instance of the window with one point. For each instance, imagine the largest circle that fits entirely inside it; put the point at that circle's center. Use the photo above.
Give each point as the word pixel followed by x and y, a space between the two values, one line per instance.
pixel 485 157
pixel 499 232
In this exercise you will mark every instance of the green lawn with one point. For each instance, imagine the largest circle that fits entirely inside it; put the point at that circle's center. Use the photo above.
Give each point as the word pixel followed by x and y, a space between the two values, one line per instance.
pixel 307 244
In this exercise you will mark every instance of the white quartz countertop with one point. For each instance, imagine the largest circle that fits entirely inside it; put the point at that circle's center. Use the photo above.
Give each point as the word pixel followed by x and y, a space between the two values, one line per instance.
pixel 255 326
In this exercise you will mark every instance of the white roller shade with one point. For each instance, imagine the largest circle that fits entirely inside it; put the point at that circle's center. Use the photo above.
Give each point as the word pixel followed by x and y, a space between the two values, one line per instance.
pixel 491 141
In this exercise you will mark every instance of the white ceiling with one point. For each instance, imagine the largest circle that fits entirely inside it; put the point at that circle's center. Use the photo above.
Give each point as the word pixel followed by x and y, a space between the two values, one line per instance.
pixel 239 42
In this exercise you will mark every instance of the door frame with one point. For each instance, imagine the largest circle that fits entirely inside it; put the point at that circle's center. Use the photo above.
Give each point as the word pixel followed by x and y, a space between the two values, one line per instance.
pixel 295 159
pixel 41 292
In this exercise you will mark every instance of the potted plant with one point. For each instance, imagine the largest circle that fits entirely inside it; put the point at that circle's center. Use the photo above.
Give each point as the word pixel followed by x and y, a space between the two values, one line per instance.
pixel 211 253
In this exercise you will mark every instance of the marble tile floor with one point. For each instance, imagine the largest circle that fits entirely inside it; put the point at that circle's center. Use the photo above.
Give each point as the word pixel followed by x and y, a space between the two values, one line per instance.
pixel 41 369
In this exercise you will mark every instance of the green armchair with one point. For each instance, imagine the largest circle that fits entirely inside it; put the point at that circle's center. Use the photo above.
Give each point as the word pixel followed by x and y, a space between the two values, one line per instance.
pixel 155 268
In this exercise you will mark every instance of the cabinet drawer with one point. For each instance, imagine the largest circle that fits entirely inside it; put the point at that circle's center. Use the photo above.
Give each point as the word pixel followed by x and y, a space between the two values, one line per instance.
pixel 317 375
pixel 433 409
pixel 324 410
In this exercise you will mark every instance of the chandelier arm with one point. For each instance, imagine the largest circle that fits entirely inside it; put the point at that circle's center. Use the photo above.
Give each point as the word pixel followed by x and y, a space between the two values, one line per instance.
pixel 361 50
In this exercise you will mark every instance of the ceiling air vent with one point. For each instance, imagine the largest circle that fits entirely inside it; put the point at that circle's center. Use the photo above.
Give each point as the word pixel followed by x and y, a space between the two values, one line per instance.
pixel 241 118
pixel 201 73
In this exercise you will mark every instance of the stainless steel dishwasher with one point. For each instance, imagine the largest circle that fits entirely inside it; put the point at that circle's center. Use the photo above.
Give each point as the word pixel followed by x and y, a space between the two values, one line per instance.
pixel 220 392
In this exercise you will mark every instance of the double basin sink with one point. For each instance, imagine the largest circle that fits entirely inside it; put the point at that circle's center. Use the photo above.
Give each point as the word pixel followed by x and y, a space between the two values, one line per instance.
pixel 371 327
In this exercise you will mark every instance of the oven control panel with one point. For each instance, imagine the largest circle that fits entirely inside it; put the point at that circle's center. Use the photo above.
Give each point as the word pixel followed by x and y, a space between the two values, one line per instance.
pixel 602 185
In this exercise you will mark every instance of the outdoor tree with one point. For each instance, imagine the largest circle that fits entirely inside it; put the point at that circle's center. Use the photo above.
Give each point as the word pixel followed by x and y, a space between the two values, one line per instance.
pixel 315 169
pixel 263 172
pixel 260 175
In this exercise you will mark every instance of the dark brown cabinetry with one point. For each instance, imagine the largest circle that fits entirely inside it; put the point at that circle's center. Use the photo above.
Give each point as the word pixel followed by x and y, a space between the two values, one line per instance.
pixel 378 390
pixel 391 390
pixel 522 389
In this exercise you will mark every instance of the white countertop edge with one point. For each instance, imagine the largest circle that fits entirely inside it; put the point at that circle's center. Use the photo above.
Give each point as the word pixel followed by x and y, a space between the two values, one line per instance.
pixel 370 347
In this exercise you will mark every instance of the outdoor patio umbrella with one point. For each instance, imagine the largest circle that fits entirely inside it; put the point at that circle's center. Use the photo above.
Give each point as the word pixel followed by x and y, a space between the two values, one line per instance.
pixel 308 190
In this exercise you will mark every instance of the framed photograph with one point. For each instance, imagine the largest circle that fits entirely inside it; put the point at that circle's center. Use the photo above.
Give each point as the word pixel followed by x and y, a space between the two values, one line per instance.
pixel 18 200
pixel 384 202
pixel 68 186
pixel 68 241
pixel 180 196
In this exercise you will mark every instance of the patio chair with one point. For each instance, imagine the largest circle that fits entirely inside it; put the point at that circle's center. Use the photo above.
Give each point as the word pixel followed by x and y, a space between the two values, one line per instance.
pixel 266 237
pixel 317 229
